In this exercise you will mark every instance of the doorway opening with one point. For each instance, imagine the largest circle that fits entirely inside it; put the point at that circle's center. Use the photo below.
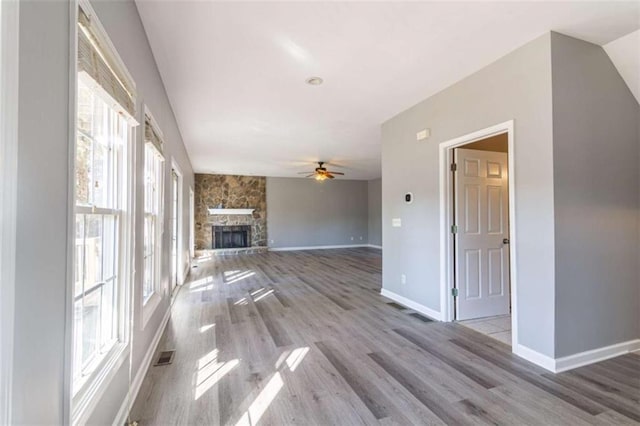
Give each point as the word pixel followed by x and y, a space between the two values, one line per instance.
pixel 477 217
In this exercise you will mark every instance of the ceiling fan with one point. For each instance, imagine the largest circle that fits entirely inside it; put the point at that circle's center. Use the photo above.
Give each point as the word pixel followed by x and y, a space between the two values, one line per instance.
pixel 321 173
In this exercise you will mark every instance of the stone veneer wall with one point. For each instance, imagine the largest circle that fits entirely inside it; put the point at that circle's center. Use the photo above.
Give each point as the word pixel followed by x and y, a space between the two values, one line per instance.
pixel 234 192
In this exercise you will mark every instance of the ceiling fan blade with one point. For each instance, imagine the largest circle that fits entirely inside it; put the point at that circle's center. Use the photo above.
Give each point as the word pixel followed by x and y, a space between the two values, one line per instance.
pixel 335 173
pixel 312 174
pixel 329 175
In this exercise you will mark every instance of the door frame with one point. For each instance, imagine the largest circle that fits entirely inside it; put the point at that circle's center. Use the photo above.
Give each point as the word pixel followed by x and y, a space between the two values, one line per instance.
pixel 446 220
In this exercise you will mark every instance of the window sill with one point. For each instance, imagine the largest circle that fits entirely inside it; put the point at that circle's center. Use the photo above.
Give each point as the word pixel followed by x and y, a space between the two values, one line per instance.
pixel 149 308
pixel 87 398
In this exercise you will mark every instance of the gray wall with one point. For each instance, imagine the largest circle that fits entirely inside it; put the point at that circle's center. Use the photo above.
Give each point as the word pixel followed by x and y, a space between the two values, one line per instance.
pixel 518 87
pixel 375 211
pixel 122 23
pixel 43 182
pixel 303 212
pixel 595 157
pixel 41 231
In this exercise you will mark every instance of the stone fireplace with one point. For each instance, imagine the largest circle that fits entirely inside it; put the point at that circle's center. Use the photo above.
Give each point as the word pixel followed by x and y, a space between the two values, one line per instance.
pixel 224 237
pixel 237 203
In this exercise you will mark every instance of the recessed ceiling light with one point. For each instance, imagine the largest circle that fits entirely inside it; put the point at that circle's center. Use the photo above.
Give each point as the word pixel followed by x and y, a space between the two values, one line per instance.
pixel 314 81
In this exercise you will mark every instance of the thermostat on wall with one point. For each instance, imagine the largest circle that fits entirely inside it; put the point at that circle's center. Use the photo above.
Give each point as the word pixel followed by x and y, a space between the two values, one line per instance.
pixel 408 197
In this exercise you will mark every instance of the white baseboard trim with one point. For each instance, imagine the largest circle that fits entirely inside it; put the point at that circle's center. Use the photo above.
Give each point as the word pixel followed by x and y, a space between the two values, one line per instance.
pixel 569 362
pixel 595 355
pixel 317 247
pixel 185 273
pixel 411 304
pixel 123 412
pixel 374 246
pixel 535 357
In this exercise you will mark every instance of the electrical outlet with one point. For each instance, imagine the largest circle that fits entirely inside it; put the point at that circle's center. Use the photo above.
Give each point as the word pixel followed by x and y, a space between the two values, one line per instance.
pixel 403 279
pixel 351 238
pixel 361 238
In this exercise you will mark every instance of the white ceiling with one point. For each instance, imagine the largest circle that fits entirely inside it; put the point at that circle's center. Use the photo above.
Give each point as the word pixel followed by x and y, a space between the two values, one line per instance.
pixel 625 55
pixel 235 71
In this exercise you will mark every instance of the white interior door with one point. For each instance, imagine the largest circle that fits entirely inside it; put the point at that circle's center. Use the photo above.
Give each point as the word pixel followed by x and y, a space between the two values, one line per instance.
pixel 482 235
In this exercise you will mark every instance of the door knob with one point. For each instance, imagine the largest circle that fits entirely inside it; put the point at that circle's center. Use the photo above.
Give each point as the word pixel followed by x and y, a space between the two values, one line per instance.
pixel 505 241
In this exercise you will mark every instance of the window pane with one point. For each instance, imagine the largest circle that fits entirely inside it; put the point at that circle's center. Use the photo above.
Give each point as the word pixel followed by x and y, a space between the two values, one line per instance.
pixel 79 256
pixel 90 325
pixel 148 278
pixel 110 244
pixel 100 182
pixel 149 258
pixel 93 250
pixel 83 169
pixel 85 108
pixel 100 119
pixel 108 324
pixel 78 332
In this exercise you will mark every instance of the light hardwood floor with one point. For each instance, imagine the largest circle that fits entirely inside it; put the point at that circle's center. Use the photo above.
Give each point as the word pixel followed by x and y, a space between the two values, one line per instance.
pixel 305 338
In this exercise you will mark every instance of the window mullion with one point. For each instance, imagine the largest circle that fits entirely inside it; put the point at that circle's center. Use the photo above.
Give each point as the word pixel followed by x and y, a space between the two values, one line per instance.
pixel 84 285
pixel 90 194
pixel 109 198
pixel 96 210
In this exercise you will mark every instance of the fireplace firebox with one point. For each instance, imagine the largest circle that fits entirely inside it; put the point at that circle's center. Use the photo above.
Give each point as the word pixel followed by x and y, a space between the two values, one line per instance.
pixel 237 236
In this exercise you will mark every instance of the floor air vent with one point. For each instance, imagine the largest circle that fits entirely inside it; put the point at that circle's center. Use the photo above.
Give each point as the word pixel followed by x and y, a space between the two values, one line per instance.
pixel 165 358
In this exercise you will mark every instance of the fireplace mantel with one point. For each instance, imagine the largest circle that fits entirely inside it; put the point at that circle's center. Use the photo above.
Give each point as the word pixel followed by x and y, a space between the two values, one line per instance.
pixel 230 211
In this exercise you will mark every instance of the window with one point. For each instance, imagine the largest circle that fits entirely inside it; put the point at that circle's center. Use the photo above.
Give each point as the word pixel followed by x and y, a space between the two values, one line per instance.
pixel 103 213
pixel 153 191
pixel 175 228
pixel 102 135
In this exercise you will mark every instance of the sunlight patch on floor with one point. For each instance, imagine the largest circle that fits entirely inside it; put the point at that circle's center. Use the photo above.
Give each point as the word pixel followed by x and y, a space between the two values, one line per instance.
pixel 201 282
pixel 207 359
pixel 283 356
pixel 252 416
pixel 230 277
pixel 263 295
pixel 203 259
pixel 296 357
pixel 206 327
pixel 211 374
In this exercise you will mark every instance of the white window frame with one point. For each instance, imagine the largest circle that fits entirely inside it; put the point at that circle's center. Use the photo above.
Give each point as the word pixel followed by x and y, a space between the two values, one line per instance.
pixel 192 237
pixel 9 60
pixel 150 303
pixel 83 391
pixel 79 405
pixel 178 279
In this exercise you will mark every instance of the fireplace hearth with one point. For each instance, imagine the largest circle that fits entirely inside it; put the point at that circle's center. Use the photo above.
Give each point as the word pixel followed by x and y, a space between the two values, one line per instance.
pixel 224 237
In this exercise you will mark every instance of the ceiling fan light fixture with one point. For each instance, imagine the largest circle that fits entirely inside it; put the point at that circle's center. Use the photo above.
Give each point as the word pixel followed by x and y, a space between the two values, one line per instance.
pixel 320 177
pixel 314 81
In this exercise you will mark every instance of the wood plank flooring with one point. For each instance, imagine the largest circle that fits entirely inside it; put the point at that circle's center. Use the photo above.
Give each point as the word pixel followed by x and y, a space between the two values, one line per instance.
pixel 304 338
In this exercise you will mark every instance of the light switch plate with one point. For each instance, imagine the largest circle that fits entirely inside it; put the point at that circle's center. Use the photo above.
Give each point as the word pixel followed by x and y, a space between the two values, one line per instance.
pixel 396 222
pixel 423 134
